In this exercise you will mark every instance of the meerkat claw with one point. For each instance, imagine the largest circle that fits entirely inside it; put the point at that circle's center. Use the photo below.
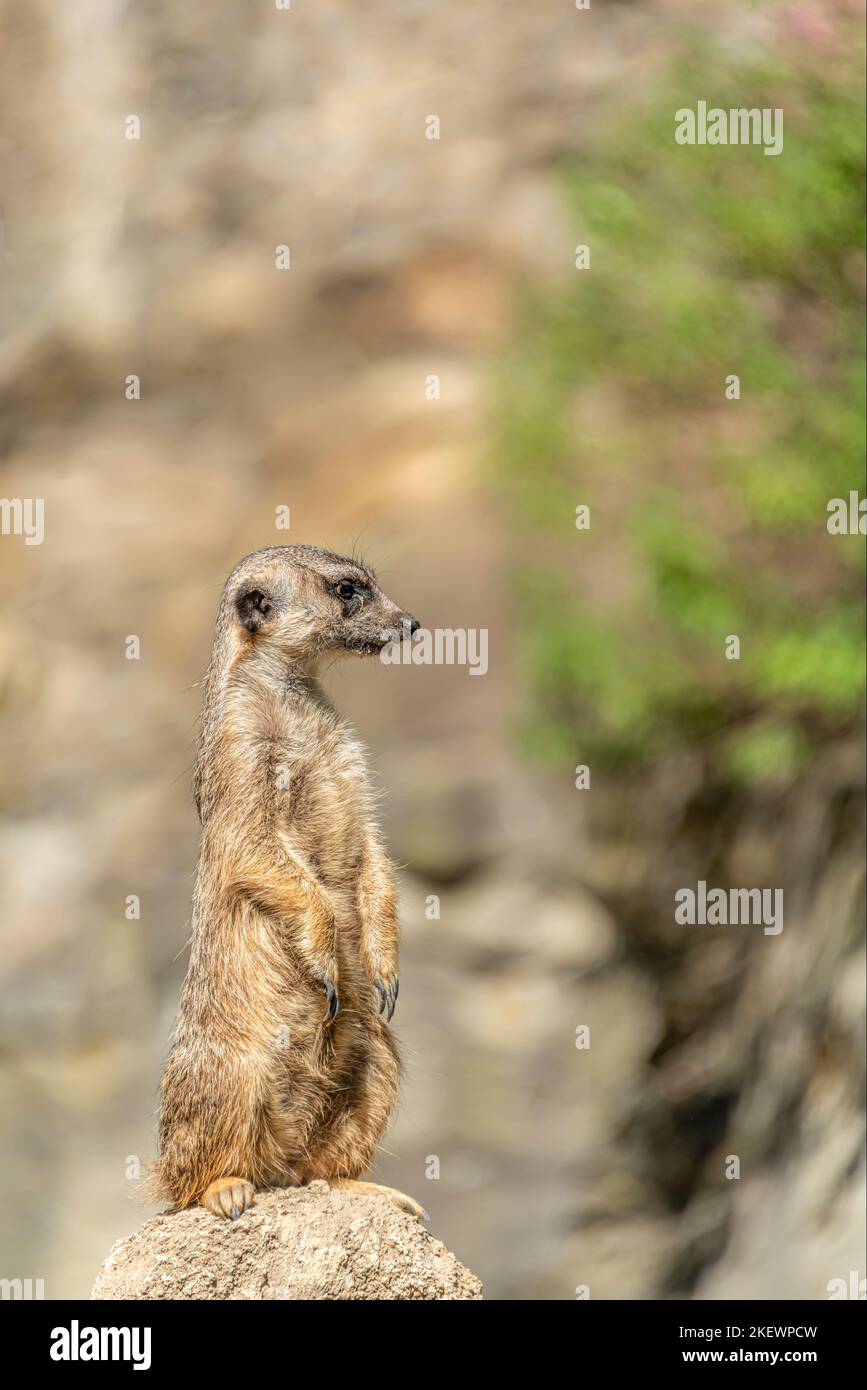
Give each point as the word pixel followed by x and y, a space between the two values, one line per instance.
pixel 388 996
pixel 333 1001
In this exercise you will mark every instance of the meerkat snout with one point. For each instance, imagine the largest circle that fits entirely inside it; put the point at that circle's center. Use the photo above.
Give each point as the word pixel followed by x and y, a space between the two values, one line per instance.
pixel 401 629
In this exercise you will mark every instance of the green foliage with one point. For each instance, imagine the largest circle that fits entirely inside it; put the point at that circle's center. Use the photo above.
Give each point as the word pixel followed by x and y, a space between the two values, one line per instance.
pixel 767 751
pixel 708 515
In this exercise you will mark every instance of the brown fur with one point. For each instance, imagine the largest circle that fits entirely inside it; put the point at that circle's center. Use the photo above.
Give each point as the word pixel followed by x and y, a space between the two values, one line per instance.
pixel 294 900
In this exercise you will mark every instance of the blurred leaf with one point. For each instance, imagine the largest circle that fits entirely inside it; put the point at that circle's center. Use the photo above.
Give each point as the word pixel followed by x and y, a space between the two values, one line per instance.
pixel 704 262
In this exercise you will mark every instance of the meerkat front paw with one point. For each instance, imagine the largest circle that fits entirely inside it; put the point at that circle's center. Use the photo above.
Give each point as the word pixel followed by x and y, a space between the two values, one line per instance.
pixel 228 1197
pixel 388 991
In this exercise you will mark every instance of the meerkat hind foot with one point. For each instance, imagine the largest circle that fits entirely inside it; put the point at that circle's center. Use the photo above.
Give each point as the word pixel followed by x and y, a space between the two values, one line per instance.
pixel 376 1189
pixel 228 1197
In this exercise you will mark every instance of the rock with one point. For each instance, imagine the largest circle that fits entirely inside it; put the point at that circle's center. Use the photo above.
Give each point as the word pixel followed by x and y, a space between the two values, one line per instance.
pixel 310 1243
pixel 500 916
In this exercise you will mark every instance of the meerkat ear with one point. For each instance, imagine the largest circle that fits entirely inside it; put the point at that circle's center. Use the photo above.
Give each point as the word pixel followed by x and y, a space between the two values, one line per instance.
pixel 253 607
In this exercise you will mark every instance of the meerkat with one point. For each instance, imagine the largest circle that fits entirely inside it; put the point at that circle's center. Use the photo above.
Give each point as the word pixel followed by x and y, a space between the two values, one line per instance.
pixel 283 1067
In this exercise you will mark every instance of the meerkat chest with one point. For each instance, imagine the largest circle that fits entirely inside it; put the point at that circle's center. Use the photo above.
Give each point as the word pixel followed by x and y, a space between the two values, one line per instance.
pixel 325 799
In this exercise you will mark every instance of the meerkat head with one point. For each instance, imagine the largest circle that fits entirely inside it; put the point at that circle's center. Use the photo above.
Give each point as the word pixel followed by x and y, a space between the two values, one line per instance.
pixel 300 602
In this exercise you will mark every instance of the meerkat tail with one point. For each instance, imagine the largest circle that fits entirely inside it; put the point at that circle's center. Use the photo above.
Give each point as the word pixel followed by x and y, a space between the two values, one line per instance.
pixel 392 1194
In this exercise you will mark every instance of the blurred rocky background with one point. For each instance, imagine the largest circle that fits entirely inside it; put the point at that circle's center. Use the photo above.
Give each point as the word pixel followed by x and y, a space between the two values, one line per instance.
pixel 308 389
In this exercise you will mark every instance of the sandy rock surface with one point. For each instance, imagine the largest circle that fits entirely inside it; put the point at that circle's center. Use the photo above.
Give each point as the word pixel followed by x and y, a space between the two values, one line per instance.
pixel 308 1243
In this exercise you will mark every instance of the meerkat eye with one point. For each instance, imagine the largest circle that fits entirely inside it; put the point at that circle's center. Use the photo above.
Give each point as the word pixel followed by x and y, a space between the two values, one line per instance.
pixel 346 589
